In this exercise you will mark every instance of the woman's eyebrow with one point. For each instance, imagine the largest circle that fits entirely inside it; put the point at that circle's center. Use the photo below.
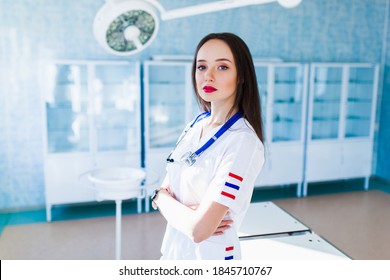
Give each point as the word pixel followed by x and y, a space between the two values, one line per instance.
pixel 218 59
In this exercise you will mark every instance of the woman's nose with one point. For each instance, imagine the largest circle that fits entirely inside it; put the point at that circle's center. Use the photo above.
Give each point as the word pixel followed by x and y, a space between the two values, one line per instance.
pixel 209 75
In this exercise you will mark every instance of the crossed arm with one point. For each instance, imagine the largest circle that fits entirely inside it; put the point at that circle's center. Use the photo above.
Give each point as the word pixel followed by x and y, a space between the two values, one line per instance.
pixel 198 223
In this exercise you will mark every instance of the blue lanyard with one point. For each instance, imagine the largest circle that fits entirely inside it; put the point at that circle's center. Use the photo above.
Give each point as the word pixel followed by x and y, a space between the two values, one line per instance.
pixel 219 133
pixel 197 119
pixel 190 157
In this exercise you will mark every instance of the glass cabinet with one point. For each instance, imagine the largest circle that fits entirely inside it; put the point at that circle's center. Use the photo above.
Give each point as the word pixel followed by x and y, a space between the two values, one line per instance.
pixel 92 108
pixel 341 120
pixel 116 108
pixel 326 102
pixel 287 119
pixel 169 105
pixel 359 102
pixel 282 97
pixel 66 103
pixel 283 102
pixel 263 86
pixel 166 104
pixel 92 116
pixel 342 101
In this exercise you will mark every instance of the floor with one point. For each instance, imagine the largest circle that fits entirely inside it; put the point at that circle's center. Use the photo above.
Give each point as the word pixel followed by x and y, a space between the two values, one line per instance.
pixel 355 221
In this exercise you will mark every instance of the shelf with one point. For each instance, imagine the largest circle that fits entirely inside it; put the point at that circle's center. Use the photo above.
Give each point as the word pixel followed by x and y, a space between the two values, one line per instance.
pixel 354 135
pixel 63 105
pixel 284 139
pixel 65 130
pixel 112 127
pixel 357 82
pixel 282 101
pixel 67 83
pixel 288 120
pixel 359 100
pixel 286 82
pixel 318 137
pixel 358 118
pixel 331 119
pixel 327 100
pixel 166 83
pixel 327 82
pixel 166 104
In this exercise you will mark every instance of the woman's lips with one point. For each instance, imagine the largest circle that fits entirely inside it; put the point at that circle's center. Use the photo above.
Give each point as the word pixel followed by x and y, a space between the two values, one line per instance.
pixel 209 89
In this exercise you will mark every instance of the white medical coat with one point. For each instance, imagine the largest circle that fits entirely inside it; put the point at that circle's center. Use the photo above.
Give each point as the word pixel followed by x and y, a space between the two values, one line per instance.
pixel 224 173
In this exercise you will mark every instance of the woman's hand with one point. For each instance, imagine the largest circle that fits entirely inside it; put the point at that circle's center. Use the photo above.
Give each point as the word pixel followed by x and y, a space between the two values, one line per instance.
pixel 224 225
pixel 168 189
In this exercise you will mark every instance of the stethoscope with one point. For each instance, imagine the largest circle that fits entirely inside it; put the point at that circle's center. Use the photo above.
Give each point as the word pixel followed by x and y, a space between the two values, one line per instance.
pixel 190 158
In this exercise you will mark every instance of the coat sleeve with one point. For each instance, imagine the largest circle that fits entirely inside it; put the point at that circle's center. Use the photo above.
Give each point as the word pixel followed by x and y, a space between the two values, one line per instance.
pixel 237 171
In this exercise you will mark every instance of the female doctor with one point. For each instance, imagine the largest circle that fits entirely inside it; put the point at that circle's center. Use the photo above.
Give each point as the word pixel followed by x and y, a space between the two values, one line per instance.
pixel 212 170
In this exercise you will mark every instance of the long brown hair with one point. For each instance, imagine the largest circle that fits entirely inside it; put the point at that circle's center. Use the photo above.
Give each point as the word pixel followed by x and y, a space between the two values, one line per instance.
pixel 247 97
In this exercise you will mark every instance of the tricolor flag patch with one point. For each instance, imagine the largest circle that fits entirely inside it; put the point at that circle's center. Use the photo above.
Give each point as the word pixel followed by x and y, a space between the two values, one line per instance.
pixel 235 176
pixel 229 250
pixel 232 186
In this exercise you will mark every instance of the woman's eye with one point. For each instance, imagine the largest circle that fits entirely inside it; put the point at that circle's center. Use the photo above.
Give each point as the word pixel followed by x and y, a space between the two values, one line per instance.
pixel 201 67
pixel 223 67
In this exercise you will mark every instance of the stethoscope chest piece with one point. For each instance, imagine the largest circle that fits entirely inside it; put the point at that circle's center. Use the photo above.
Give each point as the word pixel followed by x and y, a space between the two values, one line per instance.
pixel 189 158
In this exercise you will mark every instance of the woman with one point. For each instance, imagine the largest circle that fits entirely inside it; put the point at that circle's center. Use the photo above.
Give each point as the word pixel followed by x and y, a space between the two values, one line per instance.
pixel 212 170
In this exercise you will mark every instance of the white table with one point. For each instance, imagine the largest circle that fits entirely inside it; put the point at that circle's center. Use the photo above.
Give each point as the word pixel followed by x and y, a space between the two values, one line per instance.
pixel 266 218
pixel 306 246
pixel 269 232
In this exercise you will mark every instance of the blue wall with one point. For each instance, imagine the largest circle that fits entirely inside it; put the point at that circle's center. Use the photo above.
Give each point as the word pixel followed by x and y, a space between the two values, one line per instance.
pixel 34 31
pixel 383 144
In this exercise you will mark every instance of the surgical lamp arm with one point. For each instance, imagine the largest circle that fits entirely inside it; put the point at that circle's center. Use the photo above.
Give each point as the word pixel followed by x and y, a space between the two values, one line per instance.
pixel 218 6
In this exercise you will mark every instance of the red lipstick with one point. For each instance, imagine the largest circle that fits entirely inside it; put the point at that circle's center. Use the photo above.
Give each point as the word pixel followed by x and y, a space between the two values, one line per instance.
pixel 209 89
